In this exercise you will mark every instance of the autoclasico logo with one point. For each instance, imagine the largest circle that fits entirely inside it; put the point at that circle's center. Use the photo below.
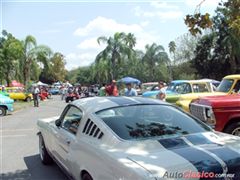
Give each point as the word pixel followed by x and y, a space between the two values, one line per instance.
pixel 191 174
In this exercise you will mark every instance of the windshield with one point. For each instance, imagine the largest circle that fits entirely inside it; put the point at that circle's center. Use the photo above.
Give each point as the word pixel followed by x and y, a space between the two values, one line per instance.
pixel 225 85
pixel 150 121
pixel 171 87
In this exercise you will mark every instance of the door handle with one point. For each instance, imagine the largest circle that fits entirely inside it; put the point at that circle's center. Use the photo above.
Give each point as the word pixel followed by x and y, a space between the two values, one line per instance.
pixel 68 142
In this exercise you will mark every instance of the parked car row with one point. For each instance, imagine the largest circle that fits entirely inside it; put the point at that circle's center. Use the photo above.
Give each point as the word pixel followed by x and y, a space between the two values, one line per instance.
pixel 11 94
pixel 6 104
pixel 219 107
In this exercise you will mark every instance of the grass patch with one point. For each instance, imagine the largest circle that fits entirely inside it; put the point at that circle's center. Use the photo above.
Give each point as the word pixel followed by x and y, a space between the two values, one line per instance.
pixel 18 105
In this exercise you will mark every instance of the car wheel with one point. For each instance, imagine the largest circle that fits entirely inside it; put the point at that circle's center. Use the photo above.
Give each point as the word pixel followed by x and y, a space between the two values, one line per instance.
pixel 45 157
pixel 28 99
pixel 233 129
pixel 67 100
pixel 86 176
pixel 3 111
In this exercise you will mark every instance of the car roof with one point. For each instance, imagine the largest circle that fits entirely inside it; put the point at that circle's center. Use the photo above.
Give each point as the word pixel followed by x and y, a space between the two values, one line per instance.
pixel 94 104
pixel 233 76
pixel 200 81
pixel 179 81
pixel 150 83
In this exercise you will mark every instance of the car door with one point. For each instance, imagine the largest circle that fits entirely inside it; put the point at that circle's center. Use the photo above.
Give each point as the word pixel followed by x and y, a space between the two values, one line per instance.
pixel 236 88
pixel 67 131
pixel 19 95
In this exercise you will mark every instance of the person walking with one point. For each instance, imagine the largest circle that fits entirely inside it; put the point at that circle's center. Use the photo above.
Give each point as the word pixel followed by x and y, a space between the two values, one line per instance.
pixel 162 93
pixel 35 93
pixel 102 90
pixel 130 91
pixel 112 90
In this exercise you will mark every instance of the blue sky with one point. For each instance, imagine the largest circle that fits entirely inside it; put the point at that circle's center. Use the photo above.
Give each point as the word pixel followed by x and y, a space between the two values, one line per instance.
pixel 72 27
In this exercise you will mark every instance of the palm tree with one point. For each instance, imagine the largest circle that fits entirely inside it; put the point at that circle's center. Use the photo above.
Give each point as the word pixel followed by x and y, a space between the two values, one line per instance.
pixel 155 55
pixel 29 45
pixel 118 47
pixel 172 49
pixel 33 55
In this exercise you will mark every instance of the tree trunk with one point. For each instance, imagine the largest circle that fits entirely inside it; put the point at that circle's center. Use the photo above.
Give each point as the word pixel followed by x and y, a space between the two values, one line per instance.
pixel 113 70
pixel 27 72
pixel 8 76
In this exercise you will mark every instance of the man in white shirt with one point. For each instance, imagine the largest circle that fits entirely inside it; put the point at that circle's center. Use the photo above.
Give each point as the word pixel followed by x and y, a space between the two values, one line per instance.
pixel 162 92
pixel 35 93
pixel 129 91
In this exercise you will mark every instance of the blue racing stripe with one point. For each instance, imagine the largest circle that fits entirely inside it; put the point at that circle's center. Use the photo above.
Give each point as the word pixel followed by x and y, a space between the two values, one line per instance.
pixel 230 157
pixel 201 160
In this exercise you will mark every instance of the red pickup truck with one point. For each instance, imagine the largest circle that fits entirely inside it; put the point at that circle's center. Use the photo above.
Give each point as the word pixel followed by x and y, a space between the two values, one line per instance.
pixel 221 112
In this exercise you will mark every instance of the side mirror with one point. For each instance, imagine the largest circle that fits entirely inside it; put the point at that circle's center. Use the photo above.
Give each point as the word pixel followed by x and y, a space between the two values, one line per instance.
pixel 58 122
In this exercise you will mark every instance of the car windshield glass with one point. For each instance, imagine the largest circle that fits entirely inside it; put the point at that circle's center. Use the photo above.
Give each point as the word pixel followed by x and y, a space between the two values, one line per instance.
pixel 171 87
pixel 150 121
pixel 225 85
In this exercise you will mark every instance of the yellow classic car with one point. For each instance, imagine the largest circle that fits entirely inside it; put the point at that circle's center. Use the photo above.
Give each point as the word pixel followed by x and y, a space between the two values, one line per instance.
pixel 230 84
pixel 18 93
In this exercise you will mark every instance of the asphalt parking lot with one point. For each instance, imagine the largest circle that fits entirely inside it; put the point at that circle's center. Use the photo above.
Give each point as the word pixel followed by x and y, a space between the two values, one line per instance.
pixel 19 143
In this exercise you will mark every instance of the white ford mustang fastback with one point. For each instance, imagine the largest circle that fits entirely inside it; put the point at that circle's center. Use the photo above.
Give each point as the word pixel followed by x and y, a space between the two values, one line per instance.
pixel 107 138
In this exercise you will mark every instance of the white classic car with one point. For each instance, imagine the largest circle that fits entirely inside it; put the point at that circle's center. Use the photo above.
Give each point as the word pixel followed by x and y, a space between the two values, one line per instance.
pixel 107 138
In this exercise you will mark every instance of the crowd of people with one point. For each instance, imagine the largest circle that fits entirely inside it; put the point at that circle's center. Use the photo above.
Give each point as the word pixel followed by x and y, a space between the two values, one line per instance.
pixel 105 90
pixel 112 90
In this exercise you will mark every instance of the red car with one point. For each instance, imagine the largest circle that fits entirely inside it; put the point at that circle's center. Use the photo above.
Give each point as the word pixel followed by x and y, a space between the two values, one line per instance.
pixel 221 112
pixel 44 95
pixel 71 97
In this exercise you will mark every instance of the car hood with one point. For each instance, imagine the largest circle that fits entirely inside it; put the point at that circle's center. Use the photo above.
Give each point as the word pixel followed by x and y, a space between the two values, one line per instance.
pixel 154 93
pixel 5 99
pixel 150 93
pixel 208 152
pixel 232 100
pixel 191 96
pixel 46 121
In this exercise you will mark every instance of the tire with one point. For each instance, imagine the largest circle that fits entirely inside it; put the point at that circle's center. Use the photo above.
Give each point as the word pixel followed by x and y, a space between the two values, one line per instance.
pixel 28 99
pixel 67 100
pixel 233 129
pixel 86 176
pixel 3 111
pixel 45 157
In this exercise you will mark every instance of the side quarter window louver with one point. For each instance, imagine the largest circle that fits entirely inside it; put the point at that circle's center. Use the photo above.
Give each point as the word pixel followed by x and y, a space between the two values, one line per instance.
pixel 91 129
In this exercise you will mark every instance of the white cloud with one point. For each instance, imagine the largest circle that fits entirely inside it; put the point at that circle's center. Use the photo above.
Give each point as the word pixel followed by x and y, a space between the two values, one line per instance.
pixel 75 60
pixel 207 3
pixel 89 48
pixel 90 43
pixel 162 5
pixel 144 23
pixel 105 25
pixel 163 15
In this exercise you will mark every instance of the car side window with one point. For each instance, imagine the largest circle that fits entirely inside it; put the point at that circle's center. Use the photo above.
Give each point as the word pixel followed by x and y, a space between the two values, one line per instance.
pixel 155 88
pixel 200 88
pixel 183 88
pixel 71 119
pixel 236 88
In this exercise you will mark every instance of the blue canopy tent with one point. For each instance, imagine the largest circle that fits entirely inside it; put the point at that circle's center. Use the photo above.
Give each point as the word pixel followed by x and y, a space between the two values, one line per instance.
pixel 127 80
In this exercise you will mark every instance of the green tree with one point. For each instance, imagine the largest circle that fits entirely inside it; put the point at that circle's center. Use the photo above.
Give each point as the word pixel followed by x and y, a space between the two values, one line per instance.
pixel 83 75
pixel 172 49
pixel 29 45
pixel 226 32
pixel 118 47
pixel 11 52
pixel 154 57
pixel 58 71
